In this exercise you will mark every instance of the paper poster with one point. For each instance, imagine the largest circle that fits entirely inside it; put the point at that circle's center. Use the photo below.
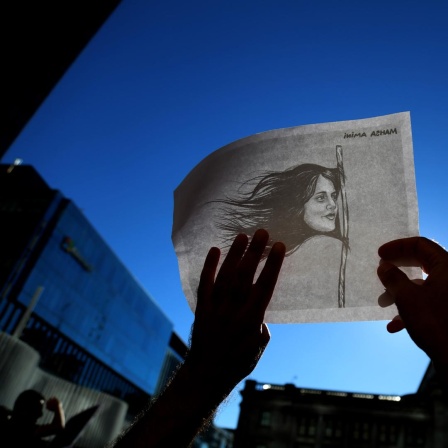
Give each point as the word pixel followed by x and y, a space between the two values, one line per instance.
pixel 332 192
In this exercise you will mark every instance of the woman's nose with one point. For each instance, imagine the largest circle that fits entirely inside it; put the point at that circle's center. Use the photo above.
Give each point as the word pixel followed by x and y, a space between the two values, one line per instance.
pixel 331 204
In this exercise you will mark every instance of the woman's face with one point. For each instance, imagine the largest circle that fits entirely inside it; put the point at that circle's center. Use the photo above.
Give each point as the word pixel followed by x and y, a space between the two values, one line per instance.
pixel 321 210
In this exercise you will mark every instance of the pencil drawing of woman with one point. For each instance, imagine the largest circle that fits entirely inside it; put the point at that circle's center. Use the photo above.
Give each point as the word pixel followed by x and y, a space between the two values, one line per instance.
pixel 298 206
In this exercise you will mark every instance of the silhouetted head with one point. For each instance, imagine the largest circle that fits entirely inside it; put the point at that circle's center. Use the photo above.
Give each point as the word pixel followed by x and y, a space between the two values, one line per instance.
pixel 29 405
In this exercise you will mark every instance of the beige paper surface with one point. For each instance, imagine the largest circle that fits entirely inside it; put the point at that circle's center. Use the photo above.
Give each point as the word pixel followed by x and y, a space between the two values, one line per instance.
pixel 332 192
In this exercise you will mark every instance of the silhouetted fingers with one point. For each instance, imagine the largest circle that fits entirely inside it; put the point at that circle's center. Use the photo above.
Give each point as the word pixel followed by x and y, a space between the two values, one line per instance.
pixel 415 251
pixel 249 263
pixel 230 263
pixel 207 279
pixel 395 325
pixel 395 281
pixel 264 287
pixel 386 299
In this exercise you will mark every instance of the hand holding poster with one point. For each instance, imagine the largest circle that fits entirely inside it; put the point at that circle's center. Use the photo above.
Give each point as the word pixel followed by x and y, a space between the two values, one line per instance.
pixel 332 193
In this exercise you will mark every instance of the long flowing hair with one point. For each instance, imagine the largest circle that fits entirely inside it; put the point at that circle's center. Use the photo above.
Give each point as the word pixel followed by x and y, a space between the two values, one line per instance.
pixel 275 201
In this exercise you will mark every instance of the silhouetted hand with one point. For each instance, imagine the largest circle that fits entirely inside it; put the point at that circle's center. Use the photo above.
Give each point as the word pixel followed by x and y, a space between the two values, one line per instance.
pixel 53 404
pixel 58 421
pixel 422 306
pixel 227 341
pixel 229 335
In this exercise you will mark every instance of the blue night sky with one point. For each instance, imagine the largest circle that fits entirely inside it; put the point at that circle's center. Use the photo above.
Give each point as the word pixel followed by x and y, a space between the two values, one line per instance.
pixel 163 84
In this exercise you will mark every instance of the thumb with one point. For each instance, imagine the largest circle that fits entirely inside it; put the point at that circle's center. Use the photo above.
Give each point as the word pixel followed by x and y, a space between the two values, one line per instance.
pixel 265 334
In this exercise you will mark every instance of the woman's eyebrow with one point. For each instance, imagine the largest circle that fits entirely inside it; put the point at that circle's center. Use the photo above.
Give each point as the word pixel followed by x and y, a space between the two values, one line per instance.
pixel 325 192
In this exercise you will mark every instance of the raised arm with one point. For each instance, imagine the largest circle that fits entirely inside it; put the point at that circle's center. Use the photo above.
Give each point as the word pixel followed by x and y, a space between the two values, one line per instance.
pixel 58 421
pixel 227 340
pixel 422 306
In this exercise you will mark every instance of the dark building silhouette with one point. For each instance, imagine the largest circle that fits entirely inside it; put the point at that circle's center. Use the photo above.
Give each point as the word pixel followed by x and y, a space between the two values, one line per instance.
pixel 285 416
pixel 93 325
pixel 40 40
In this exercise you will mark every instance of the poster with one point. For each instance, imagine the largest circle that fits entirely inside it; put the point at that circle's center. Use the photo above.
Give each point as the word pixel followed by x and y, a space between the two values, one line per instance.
pixel 332 192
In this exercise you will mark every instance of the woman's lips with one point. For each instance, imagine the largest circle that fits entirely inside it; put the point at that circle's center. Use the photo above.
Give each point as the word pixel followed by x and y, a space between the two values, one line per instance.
pixel 330 216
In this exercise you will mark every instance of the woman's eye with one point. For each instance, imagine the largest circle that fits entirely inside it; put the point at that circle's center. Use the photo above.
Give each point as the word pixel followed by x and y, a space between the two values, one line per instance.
pixel 320 198
pixel 334 196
